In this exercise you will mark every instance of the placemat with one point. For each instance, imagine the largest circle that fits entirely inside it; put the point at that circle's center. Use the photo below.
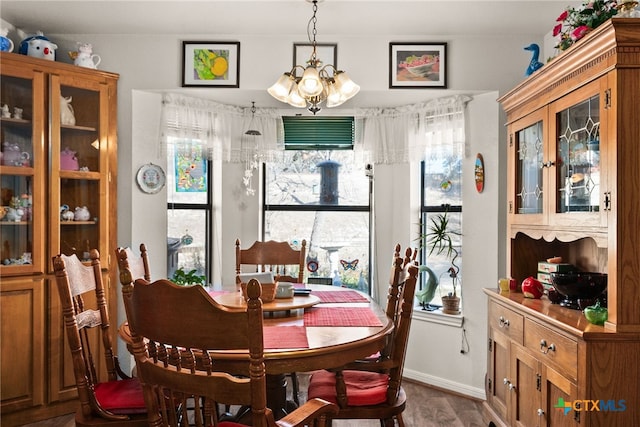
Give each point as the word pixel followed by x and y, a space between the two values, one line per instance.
pixel 339 296
pixel 277 337
pixel 340 316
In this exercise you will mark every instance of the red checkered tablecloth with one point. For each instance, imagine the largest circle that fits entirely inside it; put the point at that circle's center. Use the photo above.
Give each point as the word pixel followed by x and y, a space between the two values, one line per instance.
pixel 277 337
pixel 339 296
pixel 340 316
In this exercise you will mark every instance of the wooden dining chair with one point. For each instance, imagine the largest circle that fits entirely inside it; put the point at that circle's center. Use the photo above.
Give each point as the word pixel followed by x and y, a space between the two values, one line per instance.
pixel 107 395
pixel 138 265
pixel 286 263
pixel 173 346
pixel 371 388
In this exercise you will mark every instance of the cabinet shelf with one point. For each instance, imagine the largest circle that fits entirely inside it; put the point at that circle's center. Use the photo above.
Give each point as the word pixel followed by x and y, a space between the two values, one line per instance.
pixel 15 122
pixel 78 128
pixel 91 176
pixel 14 223
pixel 16 170
pixel 76 223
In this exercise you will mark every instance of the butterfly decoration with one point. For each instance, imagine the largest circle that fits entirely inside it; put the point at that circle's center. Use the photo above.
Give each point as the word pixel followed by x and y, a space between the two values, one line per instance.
pixel 349 265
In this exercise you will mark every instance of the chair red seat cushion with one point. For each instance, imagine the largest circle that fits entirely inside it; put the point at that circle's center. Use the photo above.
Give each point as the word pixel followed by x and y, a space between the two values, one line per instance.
pixel 122 397
pixel 363 388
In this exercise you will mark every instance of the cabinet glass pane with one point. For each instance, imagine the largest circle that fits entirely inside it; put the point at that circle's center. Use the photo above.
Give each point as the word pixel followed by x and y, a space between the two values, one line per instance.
pixel 17 172
pixel 16 225
pixel 529 145
pixel 79 224
pixel 578 166
pixel 80 166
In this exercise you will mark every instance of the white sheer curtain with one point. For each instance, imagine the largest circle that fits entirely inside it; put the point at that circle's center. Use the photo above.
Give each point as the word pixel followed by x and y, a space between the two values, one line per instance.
pixel 221 128
pixel 403 134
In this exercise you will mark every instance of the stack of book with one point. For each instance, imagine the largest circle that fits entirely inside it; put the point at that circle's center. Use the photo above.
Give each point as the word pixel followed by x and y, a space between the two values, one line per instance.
pixel 546 268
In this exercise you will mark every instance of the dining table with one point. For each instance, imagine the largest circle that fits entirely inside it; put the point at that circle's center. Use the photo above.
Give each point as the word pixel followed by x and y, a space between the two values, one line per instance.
pixel 326 328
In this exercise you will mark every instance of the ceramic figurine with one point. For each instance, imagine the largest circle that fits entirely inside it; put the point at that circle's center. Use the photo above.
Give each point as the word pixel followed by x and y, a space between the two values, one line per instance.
pixel 66 214
pixel 82 214
pixel 85 57
pixel 17 113
pixel 534 64
pixel 5 112
pixel 67 116
pixel 38 46
pixel 6 44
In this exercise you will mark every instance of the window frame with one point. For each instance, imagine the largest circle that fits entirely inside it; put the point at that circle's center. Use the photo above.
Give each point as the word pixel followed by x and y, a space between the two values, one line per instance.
pixel 323 208
pixel 207 207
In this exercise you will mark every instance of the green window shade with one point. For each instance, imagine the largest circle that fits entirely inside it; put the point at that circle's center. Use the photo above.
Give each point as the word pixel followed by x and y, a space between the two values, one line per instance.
pixel 318 133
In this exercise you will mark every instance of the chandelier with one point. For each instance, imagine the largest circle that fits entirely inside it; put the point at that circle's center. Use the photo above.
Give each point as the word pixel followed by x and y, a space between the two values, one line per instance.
pixel 315 84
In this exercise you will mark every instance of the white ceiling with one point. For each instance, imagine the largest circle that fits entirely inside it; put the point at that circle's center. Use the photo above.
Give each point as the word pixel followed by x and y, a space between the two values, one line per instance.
pixel 336 17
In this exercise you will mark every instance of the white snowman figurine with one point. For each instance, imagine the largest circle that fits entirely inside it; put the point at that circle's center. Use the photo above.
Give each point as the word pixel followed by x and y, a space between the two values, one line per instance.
pixel 38 46
pixel 85 57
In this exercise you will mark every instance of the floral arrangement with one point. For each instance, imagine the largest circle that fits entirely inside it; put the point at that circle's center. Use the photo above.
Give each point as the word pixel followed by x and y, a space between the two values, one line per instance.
pixel 574 23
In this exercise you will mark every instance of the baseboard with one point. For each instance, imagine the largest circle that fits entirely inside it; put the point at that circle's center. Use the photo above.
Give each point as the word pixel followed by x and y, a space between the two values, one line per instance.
pixel 444 384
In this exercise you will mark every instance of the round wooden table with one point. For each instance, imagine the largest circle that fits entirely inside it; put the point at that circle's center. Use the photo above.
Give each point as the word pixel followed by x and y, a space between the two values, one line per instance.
pixel 328 346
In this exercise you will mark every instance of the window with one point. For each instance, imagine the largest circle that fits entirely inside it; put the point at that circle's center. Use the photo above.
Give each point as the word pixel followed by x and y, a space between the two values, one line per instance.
pixel 442 193
pixel 322 196
pixel 189 208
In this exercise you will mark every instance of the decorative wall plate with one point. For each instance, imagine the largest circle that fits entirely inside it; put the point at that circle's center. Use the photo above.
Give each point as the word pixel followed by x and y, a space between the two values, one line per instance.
pixel 151 178
pixel 479 173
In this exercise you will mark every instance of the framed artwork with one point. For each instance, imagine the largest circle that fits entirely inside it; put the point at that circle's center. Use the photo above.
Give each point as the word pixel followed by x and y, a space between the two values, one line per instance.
pixel 417 65
pixel 212 64
pixel 326 52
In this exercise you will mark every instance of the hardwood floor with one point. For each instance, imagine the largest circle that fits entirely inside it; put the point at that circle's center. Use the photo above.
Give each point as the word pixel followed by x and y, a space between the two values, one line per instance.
pixel 426 407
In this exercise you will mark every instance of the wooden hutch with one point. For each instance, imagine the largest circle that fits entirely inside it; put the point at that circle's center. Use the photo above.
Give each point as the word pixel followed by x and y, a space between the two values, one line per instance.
pixel 573 191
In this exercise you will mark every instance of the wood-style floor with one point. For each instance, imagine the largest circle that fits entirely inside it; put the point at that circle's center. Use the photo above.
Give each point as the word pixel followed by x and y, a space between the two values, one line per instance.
pixel 426 407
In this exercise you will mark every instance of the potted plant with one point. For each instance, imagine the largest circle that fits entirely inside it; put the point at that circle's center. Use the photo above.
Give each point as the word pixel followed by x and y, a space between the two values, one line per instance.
pixel 182 278
pixel 439 240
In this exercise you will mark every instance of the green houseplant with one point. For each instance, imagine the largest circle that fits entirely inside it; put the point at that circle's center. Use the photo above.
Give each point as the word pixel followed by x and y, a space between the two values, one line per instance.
pixel 439 240
pixel 182 278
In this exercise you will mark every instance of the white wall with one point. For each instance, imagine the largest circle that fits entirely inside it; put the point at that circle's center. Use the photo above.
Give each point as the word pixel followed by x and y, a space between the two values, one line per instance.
pixel 151 64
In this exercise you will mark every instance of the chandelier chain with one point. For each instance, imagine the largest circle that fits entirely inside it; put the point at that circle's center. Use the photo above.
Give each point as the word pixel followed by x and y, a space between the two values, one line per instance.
pixel 313 21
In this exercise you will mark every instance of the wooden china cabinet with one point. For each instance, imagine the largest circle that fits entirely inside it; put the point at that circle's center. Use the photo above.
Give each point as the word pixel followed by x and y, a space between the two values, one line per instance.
pixel 573 184
pixel 45 165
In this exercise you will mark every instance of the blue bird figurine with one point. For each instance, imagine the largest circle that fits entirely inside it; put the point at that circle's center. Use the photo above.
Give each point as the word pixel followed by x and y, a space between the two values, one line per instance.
pixel 534 64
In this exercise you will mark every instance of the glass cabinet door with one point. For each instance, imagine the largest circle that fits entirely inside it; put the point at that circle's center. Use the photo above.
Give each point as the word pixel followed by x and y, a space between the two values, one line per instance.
pixel 579 179
pixel 578 157
pixel 22 207
pixel 78 167
pixel 527 165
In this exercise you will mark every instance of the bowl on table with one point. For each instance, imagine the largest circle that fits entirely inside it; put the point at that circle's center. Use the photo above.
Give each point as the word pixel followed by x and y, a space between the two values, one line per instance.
pixel 268 291
pixel 576 286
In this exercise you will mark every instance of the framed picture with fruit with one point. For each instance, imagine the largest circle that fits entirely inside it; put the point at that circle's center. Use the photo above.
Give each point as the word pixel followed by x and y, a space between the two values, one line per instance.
pixel 417 65
pixel 212 64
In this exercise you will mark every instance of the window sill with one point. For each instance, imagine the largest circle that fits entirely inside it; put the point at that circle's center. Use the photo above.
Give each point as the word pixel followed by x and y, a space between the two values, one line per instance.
pixel 437 316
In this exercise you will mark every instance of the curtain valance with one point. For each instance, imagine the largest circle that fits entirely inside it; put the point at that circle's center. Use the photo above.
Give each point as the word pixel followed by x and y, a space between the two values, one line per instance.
pixel 221 128
pixel 383 135
pixel 402 134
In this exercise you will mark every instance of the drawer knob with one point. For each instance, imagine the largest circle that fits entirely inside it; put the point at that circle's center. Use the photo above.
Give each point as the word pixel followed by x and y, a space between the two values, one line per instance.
pixel 544 348
pixel 540 412
pixel 504 323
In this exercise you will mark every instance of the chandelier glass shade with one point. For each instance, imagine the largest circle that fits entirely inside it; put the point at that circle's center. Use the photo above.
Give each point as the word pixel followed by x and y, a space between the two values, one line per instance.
pixel 311 85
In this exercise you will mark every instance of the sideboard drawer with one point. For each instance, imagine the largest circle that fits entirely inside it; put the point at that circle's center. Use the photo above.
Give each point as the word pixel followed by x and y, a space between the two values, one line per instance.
pixel 506 321
pixel 552 347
